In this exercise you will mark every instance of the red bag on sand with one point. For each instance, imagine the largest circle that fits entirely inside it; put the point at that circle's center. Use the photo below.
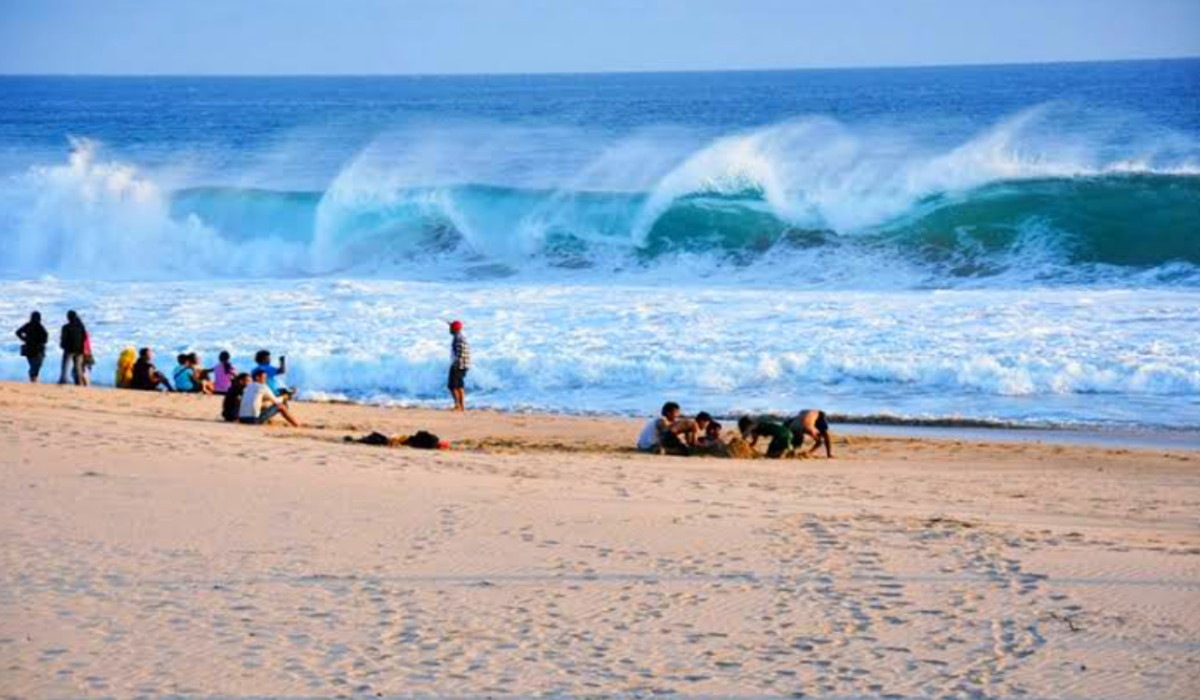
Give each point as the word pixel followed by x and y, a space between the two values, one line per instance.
pixel 443 444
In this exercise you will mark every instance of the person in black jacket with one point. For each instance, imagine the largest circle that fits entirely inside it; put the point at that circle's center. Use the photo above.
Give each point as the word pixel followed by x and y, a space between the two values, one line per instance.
pixel 73 341
pixel 34 338
pixel 232 404
pixel 146 376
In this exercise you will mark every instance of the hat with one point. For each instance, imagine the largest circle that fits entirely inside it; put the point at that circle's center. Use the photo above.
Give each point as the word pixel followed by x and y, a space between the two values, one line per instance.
pixel 456 326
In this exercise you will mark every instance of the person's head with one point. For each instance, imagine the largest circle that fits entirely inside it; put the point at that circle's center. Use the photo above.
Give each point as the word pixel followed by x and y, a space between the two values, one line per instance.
pixel 242 380
pixel 193 359
pixel 713 430
pixel 456 326
pixel 181 358
pixel 263 357
pixel 259 376
pixel 35 317
pixel 670 410
pixel 746 425
pixel 703 419
pixel 72 317
pixel 146 354
pixel 223 358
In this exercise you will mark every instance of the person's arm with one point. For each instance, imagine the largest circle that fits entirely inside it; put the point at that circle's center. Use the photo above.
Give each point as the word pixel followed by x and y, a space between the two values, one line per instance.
pixel 282 364
pixel 22 333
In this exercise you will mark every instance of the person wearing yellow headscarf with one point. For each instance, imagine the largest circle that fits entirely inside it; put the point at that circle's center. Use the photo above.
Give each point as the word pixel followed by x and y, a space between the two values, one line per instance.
pixel 124 378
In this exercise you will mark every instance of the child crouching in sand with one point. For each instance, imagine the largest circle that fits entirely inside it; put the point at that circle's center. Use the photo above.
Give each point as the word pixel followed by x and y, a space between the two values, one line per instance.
pixel 812 422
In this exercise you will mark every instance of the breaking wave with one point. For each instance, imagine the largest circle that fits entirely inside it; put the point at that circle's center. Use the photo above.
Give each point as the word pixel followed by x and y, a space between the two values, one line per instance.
pixel 814 200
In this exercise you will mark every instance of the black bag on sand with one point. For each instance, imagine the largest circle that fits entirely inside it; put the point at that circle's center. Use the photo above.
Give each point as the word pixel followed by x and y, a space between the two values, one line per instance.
pixel 422 440
pixel 374 439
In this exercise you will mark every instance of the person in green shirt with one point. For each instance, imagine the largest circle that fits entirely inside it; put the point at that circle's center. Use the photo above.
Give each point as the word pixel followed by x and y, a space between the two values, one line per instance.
pixel 780 436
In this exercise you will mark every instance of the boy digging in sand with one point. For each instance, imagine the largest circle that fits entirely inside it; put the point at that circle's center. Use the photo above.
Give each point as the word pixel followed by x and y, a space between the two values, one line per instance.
pixel 781 436
pixel 812 422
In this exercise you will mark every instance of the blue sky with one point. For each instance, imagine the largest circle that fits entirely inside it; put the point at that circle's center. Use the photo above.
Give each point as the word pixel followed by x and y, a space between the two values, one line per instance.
pixel 507 36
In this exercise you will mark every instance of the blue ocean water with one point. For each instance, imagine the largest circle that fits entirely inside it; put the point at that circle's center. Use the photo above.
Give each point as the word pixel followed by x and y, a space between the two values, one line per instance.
pixel 1009 243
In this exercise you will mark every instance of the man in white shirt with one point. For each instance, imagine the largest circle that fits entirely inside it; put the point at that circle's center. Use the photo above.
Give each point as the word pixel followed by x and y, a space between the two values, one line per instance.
pixel 661 435
pixel 260 404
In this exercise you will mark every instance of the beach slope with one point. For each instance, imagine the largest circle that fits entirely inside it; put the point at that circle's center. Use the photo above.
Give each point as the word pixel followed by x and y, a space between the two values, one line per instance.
pixel 148 549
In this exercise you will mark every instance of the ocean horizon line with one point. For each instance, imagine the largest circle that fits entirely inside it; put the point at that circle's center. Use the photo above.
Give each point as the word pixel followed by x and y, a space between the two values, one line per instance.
pixel 638 72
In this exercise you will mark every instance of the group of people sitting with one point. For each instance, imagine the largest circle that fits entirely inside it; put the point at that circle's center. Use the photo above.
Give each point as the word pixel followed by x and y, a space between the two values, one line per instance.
pixel 671 433
pixel 253 397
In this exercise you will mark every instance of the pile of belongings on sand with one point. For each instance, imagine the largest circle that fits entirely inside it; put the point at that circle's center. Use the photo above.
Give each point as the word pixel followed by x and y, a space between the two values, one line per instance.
pixel 421 440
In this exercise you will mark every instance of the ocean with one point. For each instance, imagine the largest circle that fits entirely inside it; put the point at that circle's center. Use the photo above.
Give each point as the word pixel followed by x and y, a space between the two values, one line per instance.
pixel 996 245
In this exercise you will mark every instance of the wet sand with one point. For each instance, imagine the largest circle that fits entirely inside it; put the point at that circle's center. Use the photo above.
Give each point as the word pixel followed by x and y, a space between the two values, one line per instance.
pixel 149 549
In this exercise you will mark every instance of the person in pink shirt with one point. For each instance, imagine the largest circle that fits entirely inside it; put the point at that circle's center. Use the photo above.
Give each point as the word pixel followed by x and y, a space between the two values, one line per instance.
pixel 223 373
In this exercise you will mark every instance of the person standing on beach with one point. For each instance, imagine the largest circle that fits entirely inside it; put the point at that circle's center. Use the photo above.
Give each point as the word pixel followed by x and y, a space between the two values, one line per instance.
pixel 460 364
pixel 73 340
pixel 34 338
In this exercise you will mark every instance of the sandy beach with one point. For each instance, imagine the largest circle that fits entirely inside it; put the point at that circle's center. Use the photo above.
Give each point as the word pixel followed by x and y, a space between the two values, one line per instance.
pixel 148 549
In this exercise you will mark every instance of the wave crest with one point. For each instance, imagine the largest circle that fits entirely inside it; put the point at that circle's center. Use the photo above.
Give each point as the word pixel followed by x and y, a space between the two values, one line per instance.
pixel 818 199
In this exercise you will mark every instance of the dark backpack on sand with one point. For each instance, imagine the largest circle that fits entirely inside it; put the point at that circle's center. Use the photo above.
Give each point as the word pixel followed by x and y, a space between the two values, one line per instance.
pixel 423 440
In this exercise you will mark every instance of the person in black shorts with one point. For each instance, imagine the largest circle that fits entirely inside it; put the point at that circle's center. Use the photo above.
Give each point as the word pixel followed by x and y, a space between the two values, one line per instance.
pixel 812 422
pixel 460 364
pixel 780 435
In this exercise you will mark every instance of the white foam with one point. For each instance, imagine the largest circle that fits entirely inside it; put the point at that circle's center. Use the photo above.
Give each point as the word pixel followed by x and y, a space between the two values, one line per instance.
pixel 1049 355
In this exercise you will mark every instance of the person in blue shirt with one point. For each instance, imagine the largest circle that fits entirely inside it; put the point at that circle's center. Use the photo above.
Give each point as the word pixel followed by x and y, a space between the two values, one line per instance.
pixel 183 375
pixel 262 358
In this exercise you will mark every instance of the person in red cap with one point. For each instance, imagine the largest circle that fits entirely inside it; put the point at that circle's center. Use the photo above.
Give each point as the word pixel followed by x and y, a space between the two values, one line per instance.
pixel 460 363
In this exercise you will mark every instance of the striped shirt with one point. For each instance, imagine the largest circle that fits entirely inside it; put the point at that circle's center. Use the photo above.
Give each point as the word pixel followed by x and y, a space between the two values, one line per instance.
pixel 460 352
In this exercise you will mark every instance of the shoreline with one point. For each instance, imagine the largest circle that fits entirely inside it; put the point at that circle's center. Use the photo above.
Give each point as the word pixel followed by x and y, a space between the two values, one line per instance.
pixel 879 425
pixel 505 430
pixel 874 426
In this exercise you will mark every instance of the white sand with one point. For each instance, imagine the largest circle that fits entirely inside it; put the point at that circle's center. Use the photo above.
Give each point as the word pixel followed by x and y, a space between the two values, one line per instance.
pixel 146 549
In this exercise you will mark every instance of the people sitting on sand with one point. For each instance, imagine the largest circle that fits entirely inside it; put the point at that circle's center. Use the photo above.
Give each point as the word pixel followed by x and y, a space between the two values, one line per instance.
pixel 691 430
pixel 814 423
pixel 262 360
pixel 182 375
pixel 223 373
pixel 711 440
pixel 146 376
pixel 34 338
pixel 260 404
pixel 781 437
pixel 231 406
pixel 189 376
pixel 123 377
pixel 203 374
pixel 660 435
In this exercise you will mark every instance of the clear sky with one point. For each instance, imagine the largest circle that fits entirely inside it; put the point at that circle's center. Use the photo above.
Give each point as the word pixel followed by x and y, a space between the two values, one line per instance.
pixel 507 36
